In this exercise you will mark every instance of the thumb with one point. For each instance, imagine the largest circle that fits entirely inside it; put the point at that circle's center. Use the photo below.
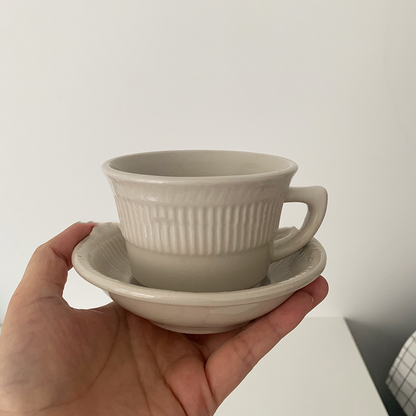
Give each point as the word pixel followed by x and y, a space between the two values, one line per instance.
pixel 47 270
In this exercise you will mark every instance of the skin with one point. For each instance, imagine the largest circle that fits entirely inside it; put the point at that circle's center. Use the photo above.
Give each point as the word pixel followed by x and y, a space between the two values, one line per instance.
pixel 57 360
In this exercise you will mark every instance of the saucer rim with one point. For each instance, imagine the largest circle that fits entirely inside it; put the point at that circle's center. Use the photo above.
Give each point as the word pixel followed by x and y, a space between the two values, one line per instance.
pixel 171 297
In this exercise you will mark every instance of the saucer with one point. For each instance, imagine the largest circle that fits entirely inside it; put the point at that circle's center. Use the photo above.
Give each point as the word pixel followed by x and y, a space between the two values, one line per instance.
pixel 102 260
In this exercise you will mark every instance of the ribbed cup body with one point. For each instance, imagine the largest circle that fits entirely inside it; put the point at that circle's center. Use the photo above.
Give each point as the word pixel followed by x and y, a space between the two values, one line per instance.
pixel 199 220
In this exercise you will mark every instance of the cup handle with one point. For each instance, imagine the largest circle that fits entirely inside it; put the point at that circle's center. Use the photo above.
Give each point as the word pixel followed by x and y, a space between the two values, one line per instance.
pixel 316 198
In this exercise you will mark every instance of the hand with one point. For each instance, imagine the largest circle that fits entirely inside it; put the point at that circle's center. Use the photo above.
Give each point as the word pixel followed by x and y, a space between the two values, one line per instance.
pixel 56 360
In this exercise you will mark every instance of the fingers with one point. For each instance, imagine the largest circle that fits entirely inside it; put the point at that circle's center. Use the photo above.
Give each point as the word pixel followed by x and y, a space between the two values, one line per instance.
pixel 47 270
pixel 209 343
pixel 228 366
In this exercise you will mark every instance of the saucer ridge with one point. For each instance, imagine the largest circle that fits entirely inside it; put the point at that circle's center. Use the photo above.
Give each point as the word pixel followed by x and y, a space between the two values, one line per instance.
pixel 102 260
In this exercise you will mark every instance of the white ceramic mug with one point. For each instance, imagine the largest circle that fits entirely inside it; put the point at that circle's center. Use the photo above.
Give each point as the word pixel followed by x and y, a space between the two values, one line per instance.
pixel 204 220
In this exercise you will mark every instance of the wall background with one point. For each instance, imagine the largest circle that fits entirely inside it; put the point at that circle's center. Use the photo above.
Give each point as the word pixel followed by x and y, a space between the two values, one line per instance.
pixel 328 84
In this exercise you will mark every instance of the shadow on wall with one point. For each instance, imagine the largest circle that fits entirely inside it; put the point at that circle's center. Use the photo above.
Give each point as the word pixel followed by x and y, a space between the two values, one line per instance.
pixel 379 348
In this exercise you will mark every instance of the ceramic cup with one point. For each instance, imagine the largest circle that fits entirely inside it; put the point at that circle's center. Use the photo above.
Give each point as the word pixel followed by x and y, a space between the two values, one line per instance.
pixel 204 220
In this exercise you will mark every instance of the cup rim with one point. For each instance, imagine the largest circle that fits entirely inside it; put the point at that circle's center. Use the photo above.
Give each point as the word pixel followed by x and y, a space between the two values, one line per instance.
pixel 109 171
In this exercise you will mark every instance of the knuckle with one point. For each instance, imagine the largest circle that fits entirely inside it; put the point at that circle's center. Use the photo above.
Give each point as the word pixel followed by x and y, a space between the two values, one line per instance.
pixel 40 250
pixel 245 353
pixel 275 329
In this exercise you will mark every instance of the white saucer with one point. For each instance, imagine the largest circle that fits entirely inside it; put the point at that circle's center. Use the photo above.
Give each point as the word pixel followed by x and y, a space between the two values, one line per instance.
pixel 101 259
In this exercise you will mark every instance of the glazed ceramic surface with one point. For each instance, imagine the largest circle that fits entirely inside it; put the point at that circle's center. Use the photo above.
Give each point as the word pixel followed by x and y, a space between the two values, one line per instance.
pixel 206 220
pixel 102 260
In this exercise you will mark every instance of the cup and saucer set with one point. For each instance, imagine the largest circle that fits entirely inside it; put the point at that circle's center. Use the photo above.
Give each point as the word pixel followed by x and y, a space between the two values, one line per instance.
pixel 198 248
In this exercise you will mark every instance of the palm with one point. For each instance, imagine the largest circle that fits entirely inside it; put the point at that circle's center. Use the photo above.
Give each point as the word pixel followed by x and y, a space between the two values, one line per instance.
pixel 67 361
pixel 94 353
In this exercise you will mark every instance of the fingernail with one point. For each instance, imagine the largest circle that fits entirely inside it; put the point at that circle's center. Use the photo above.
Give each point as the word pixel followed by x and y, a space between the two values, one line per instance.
pixel 312 298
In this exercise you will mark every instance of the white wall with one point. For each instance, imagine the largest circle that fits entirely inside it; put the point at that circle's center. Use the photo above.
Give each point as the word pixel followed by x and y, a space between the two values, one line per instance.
pixel 331 85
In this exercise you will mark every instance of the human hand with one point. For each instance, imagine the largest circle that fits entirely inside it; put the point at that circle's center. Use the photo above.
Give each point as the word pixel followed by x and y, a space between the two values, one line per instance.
pixel 57 360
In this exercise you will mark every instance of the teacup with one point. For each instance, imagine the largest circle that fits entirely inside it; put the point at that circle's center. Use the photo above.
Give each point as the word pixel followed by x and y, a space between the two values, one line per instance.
pixel 206 220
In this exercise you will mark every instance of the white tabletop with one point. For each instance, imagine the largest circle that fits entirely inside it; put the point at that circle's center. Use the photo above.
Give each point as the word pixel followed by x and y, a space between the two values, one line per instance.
pixel 316 370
